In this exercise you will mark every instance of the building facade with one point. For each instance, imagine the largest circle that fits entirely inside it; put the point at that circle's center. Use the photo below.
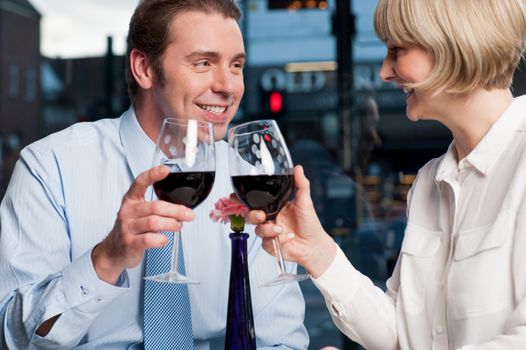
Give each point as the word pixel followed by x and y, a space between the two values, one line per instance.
pixel 19 80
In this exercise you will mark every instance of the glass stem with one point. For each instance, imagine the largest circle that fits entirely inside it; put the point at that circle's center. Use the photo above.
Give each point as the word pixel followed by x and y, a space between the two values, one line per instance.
pixel 279 256
pixel 175 253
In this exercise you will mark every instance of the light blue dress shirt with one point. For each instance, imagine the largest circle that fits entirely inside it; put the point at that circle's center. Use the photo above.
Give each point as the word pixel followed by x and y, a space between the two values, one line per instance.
pixel 63 199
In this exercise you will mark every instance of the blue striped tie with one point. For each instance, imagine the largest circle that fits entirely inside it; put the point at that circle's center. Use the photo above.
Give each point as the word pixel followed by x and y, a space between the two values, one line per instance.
pixel 167 319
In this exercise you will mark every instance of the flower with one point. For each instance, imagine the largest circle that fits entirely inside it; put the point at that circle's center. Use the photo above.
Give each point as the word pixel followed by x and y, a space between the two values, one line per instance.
pixel 227 210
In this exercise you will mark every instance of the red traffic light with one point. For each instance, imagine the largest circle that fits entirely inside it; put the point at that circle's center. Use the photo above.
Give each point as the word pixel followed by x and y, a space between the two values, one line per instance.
pixel 275 102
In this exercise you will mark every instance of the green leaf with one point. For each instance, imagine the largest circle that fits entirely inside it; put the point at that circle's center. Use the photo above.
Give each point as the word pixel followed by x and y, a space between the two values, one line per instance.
pixel 237 223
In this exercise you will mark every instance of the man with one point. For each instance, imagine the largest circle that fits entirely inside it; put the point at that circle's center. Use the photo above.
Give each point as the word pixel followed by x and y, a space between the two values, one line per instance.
pixel 367 138
pixel 75 224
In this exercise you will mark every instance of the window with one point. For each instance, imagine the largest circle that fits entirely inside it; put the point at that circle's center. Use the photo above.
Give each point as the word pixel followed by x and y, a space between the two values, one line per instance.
pixel 293 5
pixel 14 80
pixel 31 84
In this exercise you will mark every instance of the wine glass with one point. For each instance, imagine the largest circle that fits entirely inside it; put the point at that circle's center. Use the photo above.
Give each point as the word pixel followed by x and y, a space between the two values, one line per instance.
pixel 261 171
pixel 187 148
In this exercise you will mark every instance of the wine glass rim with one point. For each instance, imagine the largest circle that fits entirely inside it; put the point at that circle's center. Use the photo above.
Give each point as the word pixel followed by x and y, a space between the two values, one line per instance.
pixel 237 127
pixel 182 121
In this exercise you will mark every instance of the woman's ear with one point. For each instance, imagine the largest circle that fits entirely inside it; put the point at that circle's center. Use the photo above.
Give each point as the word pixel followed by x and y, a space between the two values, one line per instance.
pixel 140 69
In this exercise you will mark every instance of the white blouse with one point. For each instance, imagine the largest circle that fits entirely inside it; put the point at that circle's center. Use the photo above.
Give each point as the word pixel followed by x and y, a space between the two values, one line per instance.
pixel 460 280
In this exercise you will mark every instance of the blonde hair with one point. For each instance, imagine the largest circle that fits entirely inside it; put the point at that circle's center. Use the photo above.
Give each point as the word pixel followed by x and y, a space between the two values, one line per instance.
pixel 474 43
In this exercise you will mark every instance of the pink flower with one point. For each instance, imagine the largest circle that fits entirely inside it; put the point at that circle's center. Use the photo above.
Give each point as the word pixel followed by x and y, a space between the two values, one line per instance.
pixel 225 208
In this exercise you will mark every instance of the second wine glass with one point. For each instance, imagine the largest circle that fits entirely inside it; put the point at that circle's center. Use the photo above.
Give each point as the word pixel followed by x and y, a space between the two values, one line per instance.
pixel 187 148
pixel 261 171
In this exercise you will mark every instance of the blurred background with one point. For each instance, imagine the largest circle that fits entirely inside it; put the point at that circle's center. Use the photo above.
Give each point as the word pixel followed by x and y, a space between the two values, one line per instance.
pixel 312 65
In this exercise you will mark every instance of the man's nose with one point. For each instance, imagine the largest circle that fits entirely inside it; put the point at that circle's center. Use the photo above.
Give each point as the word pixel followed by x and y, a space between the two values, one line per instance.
pixel 223 81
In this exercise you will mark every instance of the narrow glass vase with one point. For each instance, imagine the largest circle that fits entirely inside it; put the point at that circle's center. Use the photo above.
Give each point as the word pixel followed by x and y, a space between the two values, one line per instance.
pixel 240 332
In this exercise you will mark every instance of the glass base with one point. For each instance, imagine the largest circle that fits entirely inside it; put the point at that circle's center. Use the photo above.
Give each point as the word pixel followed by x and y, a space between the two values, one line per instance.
pixel 171 277
pixel 285 278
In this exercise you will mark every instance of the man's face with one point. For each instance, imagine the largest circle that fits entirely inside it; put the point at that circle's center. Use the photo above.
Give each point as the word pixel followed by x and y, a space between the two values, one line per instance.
pixel 203 70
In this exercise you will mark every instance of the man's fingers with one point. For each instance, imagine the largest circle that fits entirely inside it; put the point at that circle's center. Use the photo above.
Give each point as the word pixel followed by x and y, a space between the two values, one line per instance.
pixel 146 179
pixel 155 223
pixel 163 208
pixel 153 240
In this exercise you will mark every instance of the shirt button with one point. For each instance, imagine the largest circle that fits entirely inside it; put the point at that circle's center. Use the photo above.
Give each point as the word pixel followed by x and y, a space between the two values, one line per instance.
pixel 438 330
pixel 83 291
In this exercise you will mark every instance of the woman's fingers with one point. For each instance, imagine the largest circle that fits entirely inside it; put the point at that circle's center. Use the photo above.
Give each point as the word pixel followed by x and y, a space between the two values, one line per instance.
pixel 268 246
pixel 268 230
pixel 284 240
pixel 300 180
pixel 255 217
pixel 302 186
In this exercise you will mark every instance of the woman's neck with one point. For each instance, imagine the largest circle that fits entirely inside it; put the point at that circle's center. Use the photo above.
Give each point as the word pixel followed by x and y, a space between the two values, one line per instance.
pixel 469 117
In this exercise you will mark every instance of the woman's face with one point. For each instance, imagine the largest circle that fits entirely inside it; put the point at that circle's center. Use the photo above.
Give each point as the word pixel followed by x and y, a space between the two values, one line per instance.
pixel 406 64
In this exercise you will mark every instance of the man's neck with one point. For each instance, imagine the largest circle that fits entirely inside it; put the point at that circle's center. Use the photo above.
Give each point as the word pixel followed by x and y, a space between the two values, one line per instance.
pixel 148 116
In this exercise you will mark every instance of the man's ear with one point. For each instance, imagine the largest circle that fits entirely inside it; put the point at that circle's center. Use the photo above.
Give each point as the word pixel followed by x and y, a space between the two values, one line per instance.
pixel 140 69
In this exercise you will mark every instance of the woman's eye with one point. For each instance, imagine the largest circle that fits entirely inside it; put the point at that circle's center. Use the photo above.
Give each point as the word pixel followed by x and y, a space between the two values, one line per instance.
pixel 395 50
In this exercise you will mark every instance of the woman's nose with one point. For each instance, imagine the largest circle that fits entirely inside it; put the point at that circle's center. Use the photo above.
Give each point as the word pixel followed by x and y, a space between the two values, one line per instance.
pixel 387 73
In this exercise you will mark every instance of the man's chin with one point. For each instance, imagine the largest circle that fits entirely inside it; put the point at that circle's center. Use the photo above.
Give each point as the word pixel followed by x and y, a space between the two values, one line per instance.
pixel 220 132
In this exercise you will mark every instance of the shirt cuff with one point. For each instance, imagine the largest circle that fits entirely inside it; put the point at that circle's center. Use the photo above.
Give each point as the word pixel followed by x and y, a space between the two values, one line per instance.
pixel 85 291
pixel 340 281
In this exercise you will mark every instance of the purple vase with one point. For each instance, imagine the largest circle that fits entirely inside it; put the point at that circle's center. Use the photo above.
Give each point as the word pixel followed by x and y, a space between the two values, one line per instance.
pixel 240 332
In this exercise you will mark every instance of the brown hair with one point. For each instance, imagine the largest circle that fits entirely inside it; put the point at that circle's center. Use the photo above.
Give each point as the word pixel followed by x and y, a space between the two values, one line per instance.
pixel 149 29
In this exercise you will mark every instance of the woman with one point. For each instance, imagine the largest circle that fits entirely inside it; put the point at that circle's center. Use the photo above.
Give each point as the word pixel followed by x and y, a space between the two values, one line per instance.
pixel 460 280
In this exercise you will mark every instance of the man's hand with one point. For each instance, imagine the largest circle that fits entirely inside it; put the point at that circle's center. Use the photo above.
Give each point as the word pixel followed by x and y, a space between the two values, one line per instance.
pixel 137 227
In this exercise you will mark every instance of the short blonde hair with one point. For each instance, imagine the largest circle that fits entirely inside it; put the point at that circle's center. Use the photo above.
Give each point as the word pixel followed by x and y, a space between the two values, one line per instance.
pixel 474 43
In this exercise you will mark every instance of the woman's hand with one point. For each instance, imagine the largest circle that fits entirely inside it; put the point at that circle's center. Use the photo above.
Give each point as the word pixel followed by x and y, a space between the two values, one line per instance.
pixel 298 229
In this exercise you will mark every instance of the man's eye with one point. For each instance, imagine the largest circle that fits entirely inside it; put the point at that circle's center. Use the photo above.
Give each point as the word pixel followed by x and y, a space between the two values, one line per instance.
pixel 202 64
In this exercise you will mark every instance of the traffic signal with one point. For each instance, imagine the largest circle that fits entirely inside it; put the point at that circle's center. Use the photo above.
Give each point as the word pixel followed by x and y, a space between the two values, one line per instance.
pixel 293 5
pixel 274 103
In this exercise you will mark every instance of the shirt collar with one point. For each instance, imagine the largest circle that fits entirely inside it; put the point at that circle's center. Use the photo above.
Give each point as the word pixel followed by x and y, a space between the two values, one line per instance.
pixel 448 165
pixel 492 145
pixel 138 147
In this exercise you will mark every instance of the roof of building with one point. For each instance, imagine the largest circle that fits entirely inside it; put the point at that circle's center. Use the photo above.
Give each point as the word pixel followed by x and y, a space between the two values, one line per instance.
pixel 20 7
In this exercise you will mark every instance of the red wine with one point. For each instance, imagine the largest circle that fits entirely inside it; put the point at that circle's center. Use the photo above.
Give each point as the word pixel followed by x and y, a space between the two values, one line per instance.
pixel 264 192
pixel 186 188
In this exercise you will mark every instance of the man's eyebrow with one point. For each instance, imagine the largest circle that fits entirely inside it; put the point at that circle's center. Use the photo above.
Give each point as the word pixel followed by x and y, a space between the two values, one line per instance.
pixel 240 56
pixel 200 54
pixel 212 54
